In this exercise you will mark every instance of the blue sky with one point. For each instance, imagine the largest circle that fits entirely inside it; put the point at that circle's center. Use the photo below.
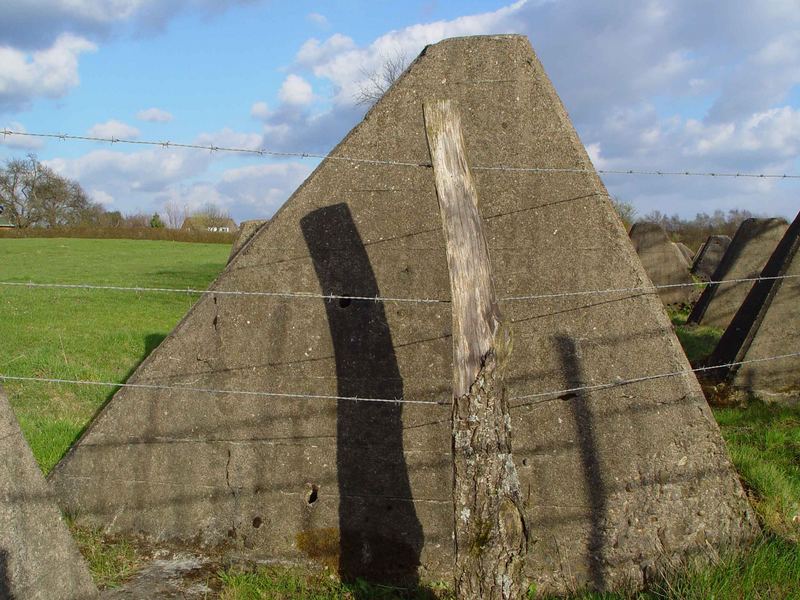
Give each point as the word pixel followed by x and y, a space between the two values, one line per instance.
pixel 649 85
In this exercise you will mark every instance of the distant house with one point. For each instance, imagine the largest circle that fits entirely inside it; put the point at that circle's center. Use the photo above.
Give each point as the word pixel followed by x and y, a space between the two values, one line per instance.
pixel 6 224
pixel 213 224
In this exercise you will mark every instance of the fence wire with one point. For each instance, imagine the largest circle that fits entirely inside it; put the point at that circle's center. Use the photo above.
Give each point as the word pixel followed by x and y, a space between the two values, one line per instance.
pixel 320 156
pixel 310 295
pixel 540 396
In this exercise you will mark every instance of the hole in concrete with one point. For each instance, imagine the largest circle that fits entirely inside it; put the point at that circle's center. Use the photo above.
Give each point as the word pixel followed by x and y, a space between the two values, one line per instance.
pixel 313 494
pixel 257 522
pixel 344 302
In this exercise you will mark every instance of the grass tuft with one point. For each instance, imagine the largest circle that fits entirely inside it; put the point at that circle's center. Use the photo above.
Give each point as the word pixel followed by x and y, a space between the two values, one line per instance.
pixel 284 583
pixel 110 562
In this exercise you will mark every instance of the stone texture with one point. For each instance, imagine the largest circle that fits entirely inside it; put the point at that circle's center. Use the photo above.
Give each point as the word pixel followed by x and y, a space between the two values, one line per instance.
pixel 663 261
pixel 247 230
pixel 38 558
pixel 745 257
pixel 709 256
pixel 614 480
pixel 767 324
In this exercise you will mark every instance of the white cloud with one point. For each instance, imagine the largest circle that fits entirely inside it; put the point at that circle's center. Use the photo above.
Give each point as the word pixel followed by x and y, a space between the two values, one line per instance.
pixel 260 110
pixel 127 175
pixel 255 191
pixel 20 142
pixel 319 20
pixel 228 138
pixel 102 197
pixel 296 91
pixel 154 115
pixel 51 72
pixel 114 129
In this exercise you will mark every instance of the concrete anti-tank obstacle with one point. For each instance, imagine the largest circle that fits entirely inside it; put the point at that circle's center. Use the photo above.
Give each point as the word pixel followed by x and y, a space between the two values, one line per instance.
pixel 686 251
pixel 247 229
pixel 615 481
pixel 767 324
pixel 663 261
pixel 709 256
pixel 751 246
pixel 38 557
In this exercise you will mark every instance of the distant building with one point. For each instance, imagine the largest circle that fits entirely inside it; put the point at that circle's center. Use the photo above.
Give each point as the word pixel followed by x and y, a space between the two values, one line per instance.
pixel 6 224
pixel 213 224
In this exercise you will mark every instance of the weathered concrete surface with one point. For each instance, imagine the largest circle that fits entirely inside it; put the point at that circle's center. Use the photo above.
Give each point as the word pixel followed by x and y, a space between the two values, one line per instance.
pixel 614 480
pixel 686 251
pixel 751 246
pixel 247 229
pixel 767 324
pixel 710 255
pixel 663 261
pixel 38 558
pixel 178 575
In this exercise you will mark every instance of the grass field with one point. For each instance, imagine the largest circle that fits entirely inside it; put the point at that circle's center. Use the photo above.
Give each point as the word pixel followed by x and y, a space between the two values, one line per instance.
pixel 87 334
pixel 103 335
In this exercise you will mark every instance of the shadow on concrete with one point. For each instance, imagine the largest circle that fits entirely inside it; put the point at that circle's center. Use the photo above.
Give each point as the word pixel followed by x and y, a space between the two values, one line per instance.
pixel 5 584
pixel 592 469
pixel 380 537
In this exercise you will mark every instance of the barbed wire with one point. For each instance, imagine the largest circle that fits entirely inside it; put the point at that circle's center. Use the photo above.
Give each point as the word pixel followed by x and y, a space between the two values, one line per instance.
pixel 541 395
pixel 603 386
pixel 316 155
pixel 311 295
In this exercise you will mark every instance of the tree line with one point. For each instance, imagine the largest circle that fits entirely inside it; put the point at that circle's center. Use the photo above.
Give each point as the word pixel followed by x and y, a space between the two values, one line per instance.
pixel 33 195
pixel 692 232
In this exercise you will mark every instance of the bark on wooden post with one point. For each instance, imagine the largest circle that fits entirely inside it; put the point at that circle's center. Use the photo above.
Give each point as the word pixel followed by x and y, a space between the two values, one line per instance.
pixel 490 532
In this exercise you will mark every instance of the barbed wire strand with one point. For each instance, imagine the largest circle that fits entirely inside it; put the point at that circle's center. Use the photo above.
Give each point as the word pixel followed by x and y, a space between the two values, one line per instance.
pixel 554 393
pixel 158 386
pixel 603 386
pixel 311 295
pixel 317 155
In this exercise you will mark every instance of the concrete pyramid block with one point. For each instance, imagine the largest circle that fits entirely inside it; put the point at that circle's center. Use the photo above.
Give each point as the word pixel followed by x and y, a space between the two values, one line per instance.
pixel 767 324
pixel 615 480
pixel 686 251
pixel 247 229
pixel 663 261
pixel 710 255
pixel 748 252
pixel 38 558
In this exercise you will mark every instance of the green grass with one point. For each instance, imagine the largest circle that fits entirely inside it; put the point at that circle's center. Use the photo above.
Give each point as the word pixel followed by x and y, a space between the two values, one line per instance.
pixel 279 583
pixel 698 341
pixel 110 562
pixel 87 334
pixel 764 444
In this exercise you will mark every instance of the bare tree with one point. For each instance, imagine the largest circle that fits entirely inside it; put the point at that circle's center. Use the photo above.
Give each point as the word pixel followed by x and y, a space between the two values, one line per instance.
pixel 35 195
pixel 625 210
pixel 378 81
pixel 176 215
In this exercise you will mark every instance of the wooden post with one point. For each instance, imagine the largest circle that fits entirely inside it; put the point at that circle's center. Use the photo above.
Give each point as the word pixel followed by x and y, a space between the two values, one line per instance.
pixel 490 531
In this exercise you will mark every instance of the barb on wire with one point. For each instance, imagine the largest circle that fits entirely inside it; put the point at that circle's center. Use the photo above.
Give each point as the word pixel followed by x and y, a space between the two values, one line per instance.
pixel 311 295
pixel 541 396
pixel 314 155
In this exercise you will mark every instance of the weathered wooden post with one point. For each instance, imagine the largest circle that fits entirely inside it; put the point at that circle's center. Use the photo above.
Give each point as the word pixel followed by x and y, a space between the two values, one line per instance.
pixel 490 531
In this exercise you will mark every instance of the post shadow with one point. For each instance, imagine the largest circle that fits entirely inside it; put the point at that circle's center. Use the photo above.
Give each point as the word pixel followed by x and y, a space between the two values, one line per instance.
pixel 380 537
pixel 592 469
